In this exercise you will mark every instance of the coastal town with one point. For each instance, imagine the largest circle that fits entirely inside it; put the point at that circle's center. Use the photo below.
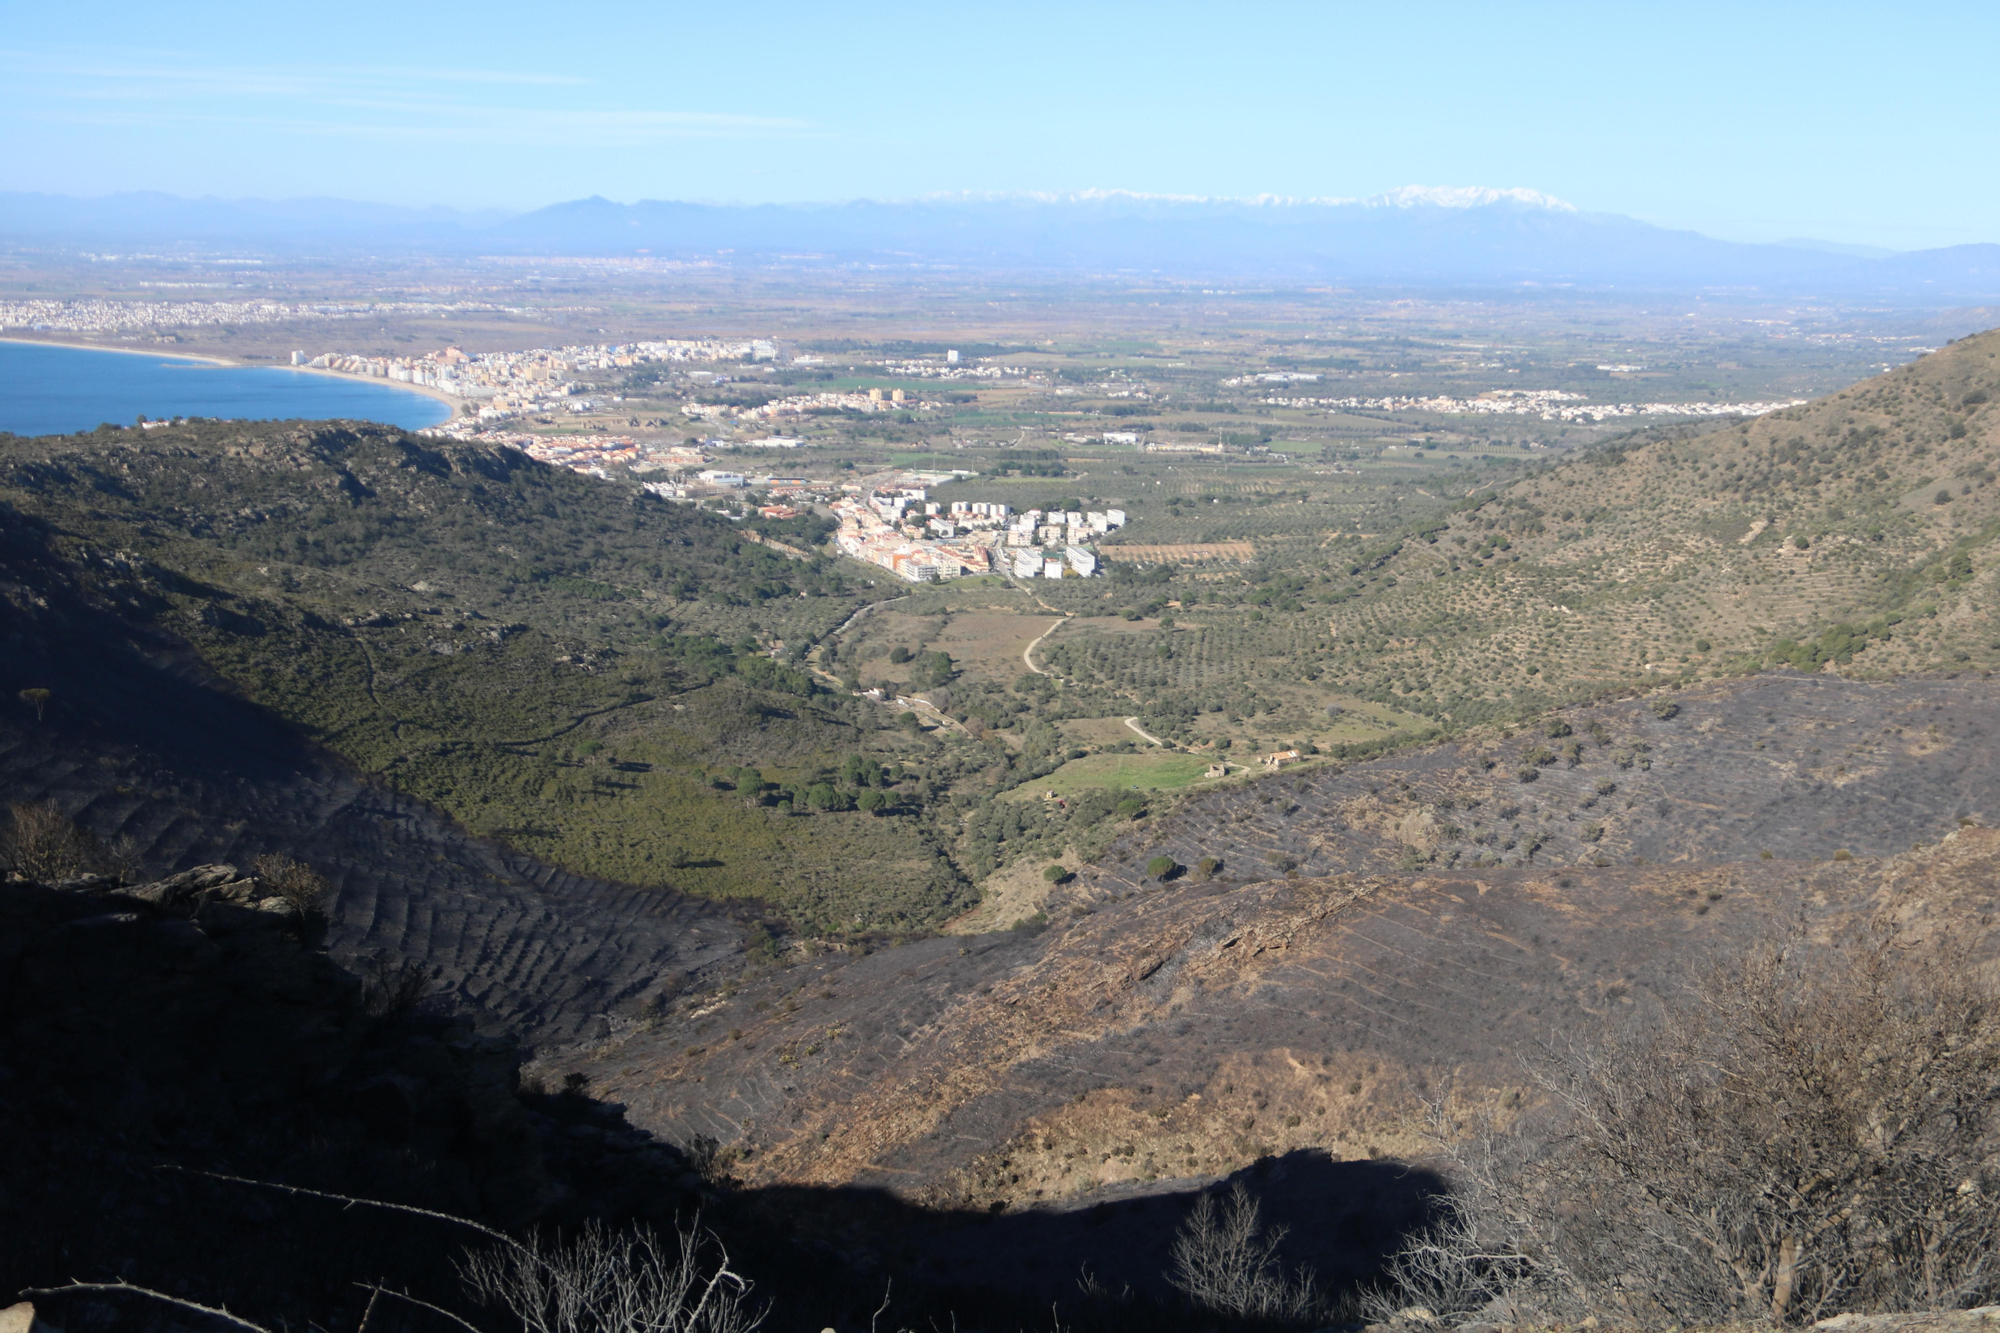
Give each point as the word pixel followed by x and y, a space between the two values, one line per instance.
pixel 90 316
pixel 510 383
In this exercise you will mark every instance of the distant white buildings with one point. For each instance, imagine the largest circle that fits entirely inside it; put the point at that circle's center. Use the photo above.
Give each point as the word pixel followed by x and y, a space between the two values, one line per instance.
pixel 903 531
pixel 1054 543
pixel 1546 404
pixel 514 382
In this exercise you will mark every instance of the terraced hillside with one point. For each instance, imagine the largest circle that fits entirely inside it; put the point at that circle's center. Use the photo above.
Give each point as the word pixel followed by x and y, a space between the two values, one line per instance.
pixel 1160 1035
pixel 171 768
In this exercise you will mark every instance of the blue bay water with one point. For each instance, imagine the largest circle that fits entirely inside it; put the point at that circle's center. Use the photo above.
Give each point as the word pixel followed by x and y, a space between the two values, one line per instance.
pixel 47 390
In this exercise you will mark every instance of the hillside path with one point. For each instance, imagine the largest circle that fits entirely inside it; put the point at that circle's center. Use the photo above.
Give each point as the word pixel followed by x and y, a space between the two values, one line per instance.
pixel 1133 723
pixel 1028 653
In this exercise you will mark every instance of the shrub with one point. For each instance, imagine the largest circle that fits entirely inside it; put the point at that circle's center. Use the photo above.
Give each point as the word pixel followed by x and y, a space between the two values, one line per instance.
pixel 1162 867
pixel 1225 1261
pixel 1556 729
pixel 1809 1128
pixel 899 655
pixel 296 884
pixel 44 844
pixel 1590 832
pixel 1209 866
pixel 605 1281
pixel 1664 708
pixel 1605 786
pixel 1702 645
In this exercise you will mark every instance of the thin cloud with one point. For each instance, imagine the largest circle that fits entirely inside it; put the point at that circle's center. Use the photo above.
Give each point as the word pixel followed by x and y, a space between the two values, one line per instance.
pixel 176 70
pixel 506 126
pixel 372 102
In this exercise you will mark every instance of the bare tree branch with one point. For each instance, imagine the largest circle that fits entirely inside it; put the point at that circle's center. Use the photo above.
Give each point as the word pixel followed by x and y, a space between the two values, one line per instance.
pixel 351 1201
pixel 121 1285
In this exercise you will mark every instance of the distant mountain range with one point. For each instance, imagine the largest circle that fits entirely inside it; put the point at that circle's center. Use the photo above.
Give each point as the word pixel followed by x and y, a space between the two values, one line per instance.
pixel 1415 237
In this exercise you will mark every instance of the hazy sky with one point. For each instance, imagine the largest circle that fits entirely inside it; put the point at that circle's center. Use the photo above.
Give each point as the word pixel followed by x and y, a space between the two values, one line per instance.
pixel 1749 120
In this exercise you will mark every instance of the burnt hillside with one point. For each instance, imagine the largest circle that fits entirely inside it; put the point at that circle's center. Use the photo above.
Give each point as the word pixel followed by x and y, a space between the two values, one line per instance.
pixel 1158 1035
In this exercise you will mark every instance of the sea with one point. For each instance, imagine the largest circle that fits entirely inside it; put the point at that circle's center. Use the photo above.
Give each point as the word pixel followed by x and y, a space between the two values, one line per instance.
pixel 48 390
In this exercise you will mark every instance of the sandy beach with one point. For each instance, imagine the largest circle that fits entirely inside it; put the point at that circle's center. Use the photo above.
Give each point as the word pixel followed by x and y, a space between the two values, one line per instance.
pixel 128 351
pixel 454 402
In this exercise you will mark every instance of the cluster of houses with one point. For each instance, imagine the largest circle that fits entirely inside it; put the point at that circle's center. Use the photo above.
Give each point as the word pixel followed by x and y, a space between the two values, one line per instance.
pixel 906 532
pixel 903 530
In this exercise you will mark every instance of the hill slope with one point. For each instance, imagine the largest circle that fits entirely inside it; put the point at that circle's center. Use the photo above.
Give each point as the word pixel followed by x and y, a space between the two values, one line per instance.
pixel 1159 1036
pixel 1857 530
pixel 573 668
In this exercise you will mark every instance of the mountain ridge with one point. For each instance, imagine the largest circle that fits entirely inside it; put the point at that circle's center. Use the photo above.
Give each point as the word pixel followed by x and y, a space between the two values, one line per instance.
pixel 1417 236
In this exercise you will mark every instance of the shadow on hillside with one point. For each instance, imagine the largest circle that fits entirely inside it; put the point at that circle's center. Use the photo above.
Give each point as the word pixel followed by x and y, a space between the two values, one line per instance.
pixel 127 687
pixel 1097 1264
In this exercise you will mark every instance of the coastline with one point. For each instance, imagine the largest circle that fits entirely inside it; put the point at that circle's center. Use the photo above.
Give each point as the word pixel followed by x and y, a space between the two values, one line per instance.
pixel 424 389
pixel 449 400
pixel 127 351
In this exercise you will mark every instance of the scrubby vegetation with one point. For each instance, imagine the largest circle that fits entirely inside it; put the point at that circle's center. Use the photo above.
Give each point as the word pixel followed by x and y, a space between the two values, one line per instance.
pixel 1810 1130
pixel 581 670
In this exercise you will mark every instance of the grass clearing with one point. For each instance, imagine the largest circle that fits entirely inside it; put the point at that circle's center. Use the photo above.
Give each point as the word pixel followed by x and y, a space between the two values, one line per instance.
pixel 1145 772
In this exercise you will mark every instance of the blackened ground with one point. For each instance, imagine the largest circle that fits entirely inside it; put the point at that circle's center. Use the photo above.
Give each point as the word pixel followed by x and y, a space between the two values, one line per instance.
pixel 1799 766
pixel 1168 1035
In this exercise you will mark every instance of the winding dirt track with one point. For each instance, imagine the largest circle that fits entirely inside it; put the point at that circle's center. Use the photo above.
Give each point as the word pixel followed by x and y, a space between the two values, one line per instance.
pixel 1028 653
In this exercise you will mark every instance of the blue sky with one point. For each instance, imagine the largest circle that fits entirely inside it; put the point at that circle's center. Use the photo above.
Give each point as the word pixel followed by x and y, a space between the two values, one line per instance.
pixel 1871 124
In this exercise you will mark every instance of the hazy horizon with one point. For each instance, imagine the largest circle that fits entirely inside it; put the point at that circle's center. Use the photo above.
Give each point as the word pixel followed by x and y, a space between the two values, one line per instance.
pixel 1742 123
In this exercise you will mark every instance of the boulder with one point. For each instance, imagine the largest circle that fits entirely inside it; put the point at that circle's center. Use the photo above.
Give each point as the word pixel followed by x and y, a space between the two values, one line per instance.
pixel 88 884
pixel 175 890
